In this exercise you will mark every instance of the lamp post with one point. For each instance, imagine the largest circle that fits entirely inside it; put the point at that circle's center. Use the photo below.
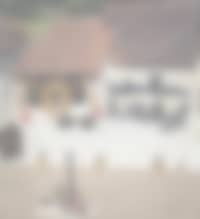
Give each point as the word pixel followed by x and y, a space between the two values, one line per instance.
pixel 70 196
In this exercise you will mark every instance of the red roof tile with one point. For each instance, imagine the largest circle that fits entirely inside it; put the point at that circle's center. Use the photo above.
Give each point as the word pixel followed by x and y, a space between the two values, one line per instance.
pixel 72 45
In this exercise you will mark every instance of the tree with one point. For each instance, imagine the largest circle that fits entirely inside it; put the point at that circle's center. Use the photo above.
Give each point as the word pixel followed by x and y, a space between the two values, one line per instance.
pixel 29 8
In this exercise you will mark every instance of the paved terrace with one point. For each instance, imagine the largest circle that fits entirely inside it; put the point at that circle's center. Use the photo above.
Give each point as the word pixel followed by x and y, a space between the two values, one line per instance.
pixel 113 194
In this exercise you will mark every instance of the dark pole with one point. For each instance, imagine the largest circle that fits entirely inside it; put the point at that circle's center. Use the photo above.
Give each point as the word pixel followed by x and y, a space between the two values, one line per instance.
pixel 72 199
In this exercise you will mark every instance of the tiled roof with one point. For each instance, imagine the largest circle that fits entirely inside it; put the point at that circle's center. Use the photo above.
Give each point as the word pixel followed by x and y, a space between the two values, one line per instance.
pixel 154 32
pixel 72 45
pixel 12 37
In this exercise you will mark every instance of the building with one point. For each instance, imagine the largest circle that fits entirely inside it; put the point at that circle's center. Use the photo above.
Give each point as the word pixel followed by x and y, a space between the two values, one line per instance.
pixel 13 39
pixel 60 71
pixel 155 51
pixel 144 52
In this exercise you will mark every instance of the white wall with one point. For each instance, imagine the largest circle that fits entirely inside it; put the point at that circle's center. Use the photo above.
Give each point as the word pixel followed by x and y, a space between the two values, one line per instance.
pixel 124 142
pixel 5 98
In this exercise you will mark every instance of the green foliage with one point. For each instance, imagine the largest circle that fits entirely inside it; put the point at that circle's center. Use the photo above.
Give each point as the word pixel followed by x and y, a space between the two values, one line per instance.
pixel 79 6
pixel 28 8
